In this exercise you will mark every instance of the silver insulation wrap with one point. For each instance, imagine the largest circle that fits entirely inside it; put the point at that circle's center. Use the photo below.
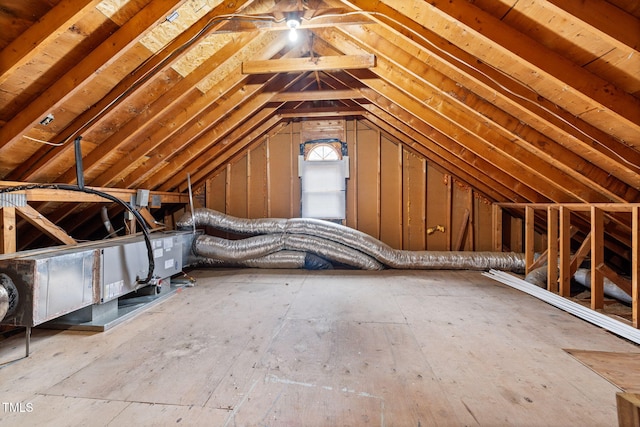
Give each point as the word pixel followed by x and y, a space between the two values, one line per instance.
pixel 334 242
pixel 281 259
pixel 259 246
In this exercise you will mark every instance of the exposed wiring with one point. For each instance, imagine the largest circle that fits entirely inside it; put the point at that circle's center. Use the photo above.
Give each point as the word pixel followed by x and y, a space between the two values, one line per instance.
pixel 54 144
pixel 269 18
pixel 69 187
pixel 442 52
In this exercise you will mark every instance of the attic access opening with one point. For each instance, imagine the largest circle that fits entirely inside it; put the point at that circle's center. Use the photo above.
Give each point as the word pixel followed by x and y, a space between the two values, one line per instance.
pixel 323 166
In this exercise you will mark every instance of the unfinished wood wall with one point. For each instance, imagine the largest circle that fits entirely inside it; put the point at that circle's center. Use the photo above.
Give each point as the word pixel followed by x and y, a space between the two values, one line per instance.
pixel 392 193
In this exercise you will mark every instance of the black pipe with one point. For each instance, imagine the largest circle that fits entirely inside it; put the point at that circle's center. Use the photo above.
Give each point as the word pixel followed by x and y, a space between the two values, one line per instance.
pixel 79 168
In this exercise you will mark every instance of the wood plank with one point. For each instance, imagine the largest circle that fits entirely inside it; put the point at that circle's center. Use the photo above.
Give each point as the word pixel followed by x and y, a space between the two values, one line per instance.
pixel 621 369
pixel 552 248
pixel 565 251
pixel 597 258
pixel 321 63
pixel 628 409
pixel 529 237
pixel 36 219
pixel 462 231
pixel 7 230
pixel 519 54
pixel 391 223
pixel 73 81
pixel 37 38
pixel 331 348
pixel 635 267
pixel 496 221
pixel 316 95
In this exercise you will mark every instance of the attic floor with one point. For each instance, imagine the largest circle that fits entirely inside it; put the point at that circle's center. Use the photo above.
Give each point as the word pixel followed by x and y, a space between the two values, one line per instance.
pixel 298 348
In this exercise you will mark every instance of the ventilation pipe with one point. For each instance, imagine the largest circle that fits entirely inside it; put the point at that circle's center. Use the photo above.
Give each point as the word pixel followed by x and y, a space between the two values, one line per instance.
pixel 332 241
pixel 8 296
pixel 582 276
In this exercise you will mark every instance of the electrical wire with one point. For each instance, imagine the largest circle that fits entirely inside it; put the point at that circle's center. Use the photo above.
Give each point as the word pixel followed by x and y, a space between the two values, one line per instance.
pixel 442 52
pixel 70 187
pixel 263 18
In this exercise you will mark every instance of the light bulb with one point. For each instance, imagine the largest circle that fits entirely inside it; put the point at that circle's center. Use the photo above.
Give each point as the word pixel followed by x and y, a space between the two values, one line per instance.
pixel 293 35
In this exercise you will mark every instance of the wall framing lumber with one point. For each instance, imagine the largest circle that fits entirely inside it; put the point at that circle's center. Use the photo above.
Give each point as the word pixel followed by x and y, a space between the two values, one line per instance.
pixel 593 242
pixel 635 266
pixel 7 230
pixel 553 216
pixel 597 258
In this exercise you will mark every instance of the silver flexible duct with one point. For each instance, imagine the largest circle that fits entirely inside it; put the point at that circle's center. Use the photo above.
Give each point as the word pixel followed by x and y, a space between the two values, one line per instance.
pixel 582 276
pixel 281 259
pixel 259 246
pixel 353 239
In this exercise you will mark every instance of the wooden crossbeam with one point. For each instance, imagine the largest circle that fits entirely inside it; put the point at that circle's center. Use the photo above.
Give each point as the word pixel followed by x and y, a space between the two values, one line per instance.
pixel 36 219
pixel 293 65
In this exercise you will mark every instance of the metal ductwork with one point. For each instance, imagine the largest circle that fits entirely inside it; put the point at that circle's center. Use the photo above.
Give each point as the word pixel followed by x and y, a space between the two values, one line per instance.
pixel 332 241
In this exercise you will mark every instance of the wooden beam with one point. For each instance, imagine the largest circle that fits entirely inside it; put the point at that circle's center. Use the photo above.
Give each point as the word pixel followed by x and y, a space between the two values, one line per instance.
pixel 322 63
pixel 150 220
pixel 496 221
pixel 88 68
pixel 565 251
pixel 462 231
pixel 7 230
pixel 552 248
pixel 37 38
pixel 597 258
pixel 451 117
pixel 580 254
pixel 316 95
pixel 621 282
pixel 529 237
pixel 518 54
pixel 488 83
pixel 36 219
pixel 611 23
pixel 635 267
pixel 628 409
pixel 68 196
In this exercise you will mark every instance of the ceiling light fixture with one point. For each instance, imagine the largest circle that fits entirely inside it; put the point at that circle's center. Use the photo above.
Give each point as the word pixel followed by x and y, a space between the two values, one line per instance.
pixel 293 25
pixel 48 119
pixel 173 16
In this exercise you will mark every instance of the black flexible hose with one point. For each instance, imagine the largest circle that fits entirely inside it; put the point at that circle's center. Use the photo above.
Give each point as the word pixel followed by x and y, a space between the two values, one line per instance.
pixel 70 187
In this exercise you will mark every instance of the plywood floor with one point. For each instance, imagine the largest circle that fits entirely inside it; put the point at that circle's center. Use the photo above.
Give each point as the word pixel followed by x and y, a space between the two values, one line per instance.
pixel 330 348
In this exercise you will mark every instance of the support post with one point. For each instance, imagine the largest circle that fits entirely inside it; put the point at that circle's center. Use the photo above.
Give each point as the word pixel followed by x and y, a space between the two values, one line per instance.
pixel 635 266
pixel 496 220
pixel 529 237
pixel 597 258
pixel 552 248
pixel 565 251
pixel 7 230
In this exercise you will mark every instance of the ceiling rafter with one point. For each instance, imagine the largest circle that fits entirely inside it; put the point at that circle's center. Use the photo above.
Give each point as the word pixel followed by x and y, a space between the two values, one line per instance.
pixel 35 40
pixel 551 75
pixel 527 106
pixel 479 117
pixel 90 67
pixel 475 136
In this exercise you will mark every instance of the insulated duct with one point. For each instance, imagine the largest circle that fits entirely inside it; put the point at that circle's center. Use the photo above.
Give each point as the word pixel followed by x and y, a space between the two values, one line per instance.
pixel 281 259
pixel 328 236
pixel 582 276
pixel 8 296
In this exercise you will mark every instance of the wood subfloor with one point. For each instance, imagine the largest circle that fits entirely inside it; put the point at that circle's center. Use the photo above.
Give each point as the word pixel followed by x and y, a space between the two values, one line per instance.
pixel 329 348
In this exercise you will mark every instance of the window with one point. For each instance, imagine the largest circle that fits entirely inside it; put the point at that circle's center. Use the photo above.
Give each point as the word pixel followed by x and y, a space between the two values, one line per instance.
pixel 322 152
